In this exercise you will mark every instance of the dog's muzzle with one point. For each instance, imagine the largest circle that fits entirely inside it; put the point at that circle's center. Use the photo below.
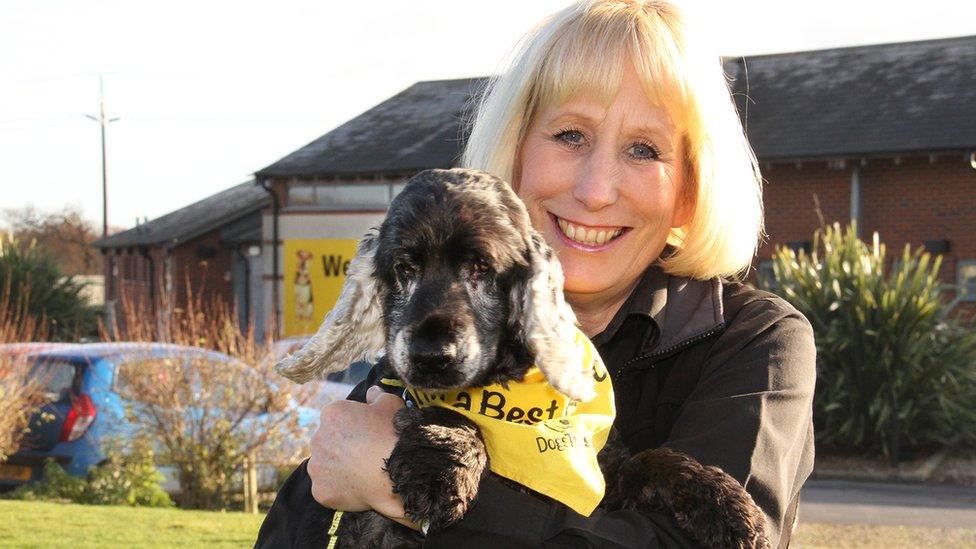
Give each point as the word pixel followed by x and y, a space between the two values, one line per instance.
pixel 433 346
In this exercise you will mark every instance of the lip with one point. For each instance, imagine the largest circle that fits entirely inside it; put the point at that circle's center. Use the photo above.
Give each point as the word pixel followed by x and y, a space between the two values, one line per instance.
pixel 554 219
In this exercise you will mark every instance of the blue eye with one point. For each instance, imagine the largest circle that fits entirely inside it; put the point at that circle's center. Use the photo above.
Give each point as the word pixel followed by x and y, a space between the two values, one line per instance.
pixel 574 138
pixel 643 151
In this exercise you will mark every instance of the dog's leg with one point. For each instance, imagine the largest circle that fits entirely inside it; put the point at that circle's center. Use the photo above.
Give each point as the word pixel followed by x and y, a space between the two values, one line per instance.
pixel 437 464
pixel 709 505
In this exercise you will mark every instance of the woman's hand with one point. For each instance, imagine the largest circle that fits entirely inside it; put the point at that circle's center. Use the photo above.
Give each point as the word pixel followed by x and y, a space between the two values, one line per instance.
pixel 348 450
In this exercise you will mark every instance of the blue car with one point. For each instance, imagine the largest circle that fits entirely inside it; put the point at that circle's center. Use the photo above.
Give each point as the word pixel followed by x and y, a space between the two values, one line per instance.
pixel 87 403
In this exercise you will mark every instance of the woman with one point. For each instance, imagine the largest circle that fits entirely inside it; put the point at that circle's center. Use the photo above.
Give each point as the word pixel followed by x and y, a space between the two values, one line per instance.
pixel 618 132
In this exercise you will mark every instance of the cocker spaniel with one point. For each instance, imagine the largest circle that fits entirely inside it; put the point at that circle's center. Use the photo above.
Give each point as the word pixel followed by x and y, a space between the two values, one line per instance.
pixel 456 290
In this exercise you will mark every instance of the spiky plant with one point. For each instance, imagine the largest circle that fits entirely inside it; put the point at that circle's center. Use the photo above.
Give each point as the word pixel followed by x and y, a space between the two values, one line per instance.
pixel 893 373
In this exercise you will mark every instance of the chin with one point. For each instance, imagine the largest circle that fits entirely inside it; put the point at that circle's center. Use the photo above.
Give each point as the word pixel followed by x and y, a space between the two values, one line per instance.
pixel 587 281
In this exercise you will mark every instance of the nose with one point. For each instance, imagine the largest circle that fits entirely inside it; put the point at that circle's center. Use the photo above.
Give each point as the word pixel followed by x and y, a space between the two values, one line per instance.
pixel 433 342
pixel 597 181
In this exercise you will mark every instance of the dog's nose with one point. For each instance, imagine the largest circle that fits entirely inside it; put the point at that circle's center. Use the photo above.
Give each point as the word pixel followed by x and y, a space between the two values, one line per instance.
pixel 433 342
pixel 432 354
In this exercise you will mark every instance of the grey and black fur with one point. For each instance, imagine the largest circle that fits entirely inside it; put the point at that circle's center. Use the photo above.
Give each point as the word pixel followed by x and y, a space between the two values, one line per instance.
pixel 455 289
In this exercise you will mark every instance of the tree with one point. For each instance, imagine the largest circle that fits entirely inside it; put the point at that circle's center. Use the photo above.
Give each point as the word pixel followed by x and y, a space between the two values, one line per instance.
pixel 66 235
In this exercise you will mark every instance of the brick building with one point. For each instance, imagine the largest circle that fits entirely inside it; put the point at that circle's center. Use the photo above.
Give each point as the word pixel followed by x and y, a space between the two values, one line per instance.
pixel 884 135
pixel 211 247
pixel 881 134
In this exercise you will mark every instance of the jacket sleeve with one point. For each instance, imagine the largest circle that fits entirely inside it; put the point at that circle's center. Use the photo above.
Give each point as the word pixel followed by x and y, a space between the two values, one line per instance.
pixel 749 414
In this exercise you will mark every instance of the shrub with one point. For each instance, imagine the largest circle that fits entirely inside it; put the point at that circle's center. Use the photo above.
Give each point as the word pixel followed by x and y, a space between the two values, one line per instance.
pixel 893 372
pixel 33 277
pixel 208 413
pixel 125 478
pixel 20 392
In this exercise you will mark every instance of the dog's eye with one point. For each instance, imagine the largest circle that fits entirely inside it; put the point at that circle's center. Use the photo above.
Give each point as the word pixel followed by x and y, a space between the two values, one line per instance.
pixel 480 268
pixel 405 271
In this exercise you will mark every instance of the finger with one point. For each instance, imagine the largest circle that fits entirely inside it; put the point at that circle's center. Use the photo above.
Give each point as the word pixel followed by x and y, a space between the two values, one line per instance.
pixel 387 401
pixel 373 393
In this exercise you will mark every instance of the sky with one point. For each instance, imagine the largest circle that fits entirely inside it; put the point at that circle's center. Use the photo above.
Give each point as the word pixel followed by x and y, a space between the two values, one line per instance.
pixel 209 91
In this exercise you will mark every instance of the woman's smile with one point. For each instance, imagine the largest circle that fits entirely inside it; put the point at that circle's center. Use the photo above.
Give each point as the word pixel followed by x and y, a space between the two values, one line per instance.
pixel 587 237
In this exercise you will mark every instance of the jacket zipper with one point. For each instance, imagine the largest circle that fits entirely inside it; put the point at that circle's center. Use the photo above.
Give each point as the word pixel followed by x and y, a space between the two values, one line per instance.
pixel 672 349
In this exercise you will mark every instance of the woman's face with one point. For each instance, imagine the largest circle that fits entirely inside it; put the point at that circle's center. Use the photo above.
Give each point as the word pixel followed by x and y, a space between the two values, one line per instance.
pixel 603 186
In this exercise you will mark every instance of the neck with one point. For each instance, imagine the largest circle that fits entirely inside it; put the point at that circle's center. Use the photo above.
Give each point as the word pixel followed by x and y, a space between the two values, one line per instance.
pixel 595 311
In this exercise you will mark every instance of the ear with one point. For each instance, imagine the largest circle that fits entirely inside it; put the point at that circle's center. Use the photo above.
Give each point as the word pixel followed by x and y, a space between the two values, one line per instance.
pixel 352 329
pixel 550 325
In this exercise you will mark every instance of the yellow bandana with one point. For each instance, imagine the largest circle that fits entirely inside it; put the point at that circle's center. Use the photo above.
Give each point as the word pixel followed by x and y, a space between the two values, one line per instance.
pixel 537 436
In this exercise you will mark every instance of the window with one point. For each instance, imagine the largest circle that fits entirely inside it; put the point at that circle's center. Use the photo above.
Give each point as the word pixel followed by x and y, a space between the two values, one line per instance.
pixel 301 195
pixel 147 378
pixel 59 378
pixel 341 196
pixel 345 196
pixel 356 373
pixel 966 279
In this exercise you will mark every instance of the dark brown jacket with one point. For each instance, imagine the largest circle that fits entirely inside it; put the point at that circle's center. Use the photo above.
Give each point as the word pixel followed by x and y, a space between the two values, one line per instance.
pixel 720 371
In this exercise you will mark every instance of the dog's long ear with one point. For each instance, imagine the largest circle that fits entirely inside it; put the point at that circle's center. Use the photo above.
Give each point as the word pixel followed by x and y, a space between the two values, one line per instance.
pixel 351 331
pixel 550 325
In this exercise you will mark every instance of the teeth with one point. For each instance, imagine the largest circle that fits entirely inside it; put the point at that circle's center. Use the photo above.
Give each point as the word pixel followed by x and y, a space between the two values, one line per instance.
pixel 584 236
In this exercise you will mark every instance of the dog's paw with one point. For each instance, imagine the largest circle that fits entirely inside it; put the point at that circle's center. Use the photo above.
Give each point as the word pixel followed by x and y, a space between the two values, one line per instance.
pixel 709 505
pixel 436 465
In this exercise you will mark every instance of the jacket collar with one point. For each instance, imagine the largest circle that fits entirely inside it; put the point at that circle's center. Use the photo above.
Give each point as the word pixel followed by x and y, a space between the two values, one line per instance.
pixel 680 309
pixel 683 309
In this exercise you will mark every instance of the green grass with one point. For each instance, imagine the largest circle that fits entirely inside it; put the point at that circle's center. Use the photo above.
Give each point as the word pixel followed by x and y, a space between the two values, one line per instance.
pixel 41 524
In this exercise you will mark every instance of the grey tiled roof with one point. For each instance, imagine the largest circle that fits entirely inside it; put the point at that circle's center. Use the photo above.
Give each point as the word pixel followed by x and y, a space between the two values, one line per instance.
pixel 418 128
pixel 878 99
pixel 226 207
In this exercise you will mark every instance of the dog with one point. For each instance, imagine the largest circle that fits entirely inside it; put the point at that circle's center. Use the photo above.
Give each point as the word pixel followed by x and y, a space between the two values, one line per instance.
pixel 456 290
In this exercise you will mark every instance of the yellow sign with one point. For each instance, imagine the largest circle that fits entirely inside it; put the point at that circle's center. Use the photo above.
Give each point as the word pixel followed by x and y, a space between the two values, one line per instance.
pixel 314 271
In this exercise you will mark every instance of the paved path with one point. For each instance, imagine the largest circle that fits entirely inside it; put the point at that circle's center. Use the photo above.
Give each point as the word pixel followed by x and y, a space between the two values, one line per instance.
pixel 846 502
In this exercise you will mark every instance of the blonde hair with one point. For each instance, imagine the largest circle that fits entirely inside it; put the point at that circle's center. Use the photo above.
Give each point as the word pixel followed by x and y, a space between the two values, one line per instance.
pixel 584 48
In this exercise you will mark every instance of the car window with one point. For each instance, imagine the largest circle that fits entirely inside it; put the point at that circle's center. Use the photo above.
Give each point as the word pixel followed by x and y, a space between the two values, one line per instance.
pixel 146 378
pixel 58 377
pixel 338 377
pixel 197 379
pixel 358 371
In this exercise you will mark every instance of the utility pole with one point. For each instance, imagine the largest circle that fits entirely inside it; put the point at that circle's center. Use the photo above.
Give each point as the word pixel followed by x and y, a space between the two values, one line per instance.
pixel 103 121
pixel 110 279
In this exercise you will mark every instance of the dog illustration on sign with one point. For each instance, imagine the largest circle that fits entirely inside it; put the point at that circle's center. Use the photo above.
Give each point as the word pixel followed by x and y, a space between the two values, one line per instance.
pixel 304 302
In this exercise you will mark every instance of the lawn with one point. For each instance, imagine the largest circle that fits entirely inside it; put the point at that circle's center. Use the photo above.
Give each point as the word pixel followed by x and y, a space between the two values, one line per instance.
pixel 37 524
pixel 41 524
